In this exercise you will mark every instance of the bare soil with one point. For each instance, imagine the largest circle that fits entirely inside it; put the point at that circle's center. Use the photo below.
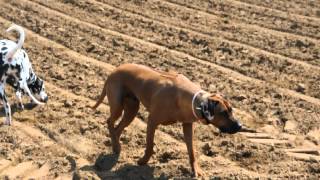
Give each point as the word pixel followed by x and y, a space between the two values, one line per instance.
pixel 264 56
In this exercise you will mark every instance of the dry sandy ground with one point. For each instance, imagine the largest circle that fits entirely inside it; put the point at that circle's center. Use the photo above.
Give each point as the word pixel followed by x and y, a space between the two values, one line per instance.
pixel 263 55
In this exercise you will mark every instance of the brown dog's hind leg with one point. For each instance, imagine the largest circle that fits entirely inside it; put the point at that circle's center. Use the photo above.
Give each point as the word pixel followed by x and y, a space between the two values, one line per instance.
pixel 151 128
pixel 188 138
pixel 131 108
pixel 111 121
pixel 115 100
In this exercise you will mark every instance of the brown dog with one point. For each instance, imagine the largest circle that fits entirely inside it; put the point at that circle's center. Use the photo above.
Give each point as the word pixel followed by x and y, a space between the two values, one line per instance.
pixel 168 98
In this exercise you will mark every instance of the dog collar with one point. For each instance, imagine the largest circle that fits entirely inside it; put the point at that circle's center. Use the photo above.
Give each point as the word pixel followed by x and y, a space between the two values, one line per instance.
pixel 192 104
pixel 205 106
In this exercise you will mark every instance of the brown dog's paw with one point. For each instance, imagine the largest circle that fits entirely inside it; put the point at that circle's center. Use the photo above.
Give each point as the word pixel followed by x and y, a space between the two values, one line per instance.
pixel 197 172
pixel 142 161
pixel 116 150
pixel 116 147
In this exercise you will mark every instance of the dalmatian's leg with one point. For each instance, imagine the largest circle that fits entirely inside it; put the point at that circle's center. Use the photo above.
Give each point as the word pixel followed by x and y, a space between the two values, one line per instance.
pixel 5 104
pixel 19 97
pixel 19 81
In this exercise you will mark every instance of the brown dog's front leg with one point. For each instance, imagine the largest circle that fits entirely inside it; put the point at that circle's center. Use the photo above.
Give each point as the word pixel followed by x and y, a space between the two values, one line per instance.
pixel 151 128
pixel 188 138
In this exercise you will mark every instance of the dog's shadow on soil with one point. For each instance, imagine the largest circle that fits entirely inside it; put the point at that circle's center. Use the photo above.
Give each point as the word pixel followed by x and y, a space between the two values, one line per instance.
pixel 105 162
pixel 15 108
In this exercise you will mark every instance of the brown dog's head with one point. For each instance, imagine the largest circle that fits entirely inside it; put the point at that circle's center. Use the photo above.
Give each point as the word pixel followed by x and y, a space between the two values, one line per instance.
pixel 221 112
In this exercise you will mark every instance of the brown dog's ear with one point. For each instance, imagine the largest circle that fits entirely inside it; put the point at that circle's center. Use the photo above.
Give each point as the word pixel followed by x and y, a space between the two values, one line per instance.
pixel 212 104
pixel 220 95
pixel 225 102
pixel 228 105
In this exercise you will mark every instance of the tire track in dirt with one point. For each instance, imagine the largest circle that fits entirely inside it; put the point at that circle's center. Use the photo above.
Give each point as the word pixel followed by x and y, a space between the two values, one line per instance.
pixel 271 44
pixel 268 22
pixel 287 113
pixel 187 56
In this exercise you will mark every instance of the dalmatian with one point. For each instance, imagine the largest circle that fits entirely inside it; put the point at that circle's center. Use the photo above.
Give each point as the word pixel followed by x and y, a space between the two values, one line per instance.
pixel 16 70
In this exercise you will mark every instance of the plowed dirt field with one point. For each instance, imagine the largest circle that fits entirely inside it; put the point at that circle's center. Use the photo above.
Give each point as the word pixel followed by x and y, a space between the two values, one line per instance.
pixel 264 56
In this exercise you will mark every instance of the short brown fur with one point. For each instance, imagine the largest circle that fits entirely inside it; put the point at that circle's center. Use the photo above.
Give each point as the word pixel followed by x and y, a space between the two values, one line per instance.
pixel 166 96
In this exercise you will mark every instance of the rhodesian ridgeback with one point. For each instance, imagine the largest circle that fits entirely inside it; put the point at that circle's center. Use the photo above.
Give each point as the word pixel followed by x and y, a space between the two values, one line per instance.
pixel 169 98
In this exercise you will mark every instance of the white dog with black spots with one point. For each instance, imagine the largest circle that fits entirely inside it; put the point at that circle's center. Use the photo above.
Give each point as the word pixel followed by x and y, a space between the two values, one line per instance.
pixel 16 70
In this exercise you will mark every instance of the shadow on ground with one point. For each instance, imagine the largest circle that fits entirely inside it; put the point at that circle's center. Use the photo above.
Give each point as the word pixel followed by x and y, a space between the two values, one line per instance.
pixel 104 164
pixel 15 108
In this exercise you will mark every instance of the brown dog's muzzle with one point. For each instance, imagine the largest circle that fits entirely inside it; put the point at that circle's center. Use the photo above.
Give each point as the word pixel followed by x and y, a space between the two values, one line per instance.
pixel 235 127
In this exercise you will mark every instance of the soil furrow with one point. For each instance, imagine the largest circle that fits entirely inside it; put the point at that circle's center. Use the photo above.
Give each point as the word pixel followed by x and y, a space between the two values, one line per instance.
pixel 81 61
pixel 284 106
pixel 139 139
pixel 175 52
pixel 74 56
pixel 251 63
pixel 305 8
pixel 47 128
pixel 288 46
pixel 202 137
pixel 265 19
pixel 19 171
pixel 292 16
pixel 93 131
pixel 27 150
pixel 160 138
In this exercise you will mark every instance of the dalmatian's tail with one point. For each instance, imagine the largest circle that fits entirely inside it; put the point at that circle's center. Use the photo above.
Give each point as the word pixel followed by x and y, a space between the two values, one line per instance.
pixel 22 37
pixel 103 94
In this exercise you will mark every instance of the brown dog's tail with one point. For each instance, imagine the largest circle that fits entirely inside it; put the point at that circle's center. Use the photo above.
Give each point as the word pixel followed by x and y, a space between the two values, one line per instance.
pixel 103 94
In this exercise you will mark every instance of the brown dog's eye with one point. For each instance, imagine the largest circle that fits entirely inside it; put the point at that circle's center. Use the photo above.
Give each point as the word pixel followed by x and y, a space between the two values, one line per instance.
pixel 225 114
